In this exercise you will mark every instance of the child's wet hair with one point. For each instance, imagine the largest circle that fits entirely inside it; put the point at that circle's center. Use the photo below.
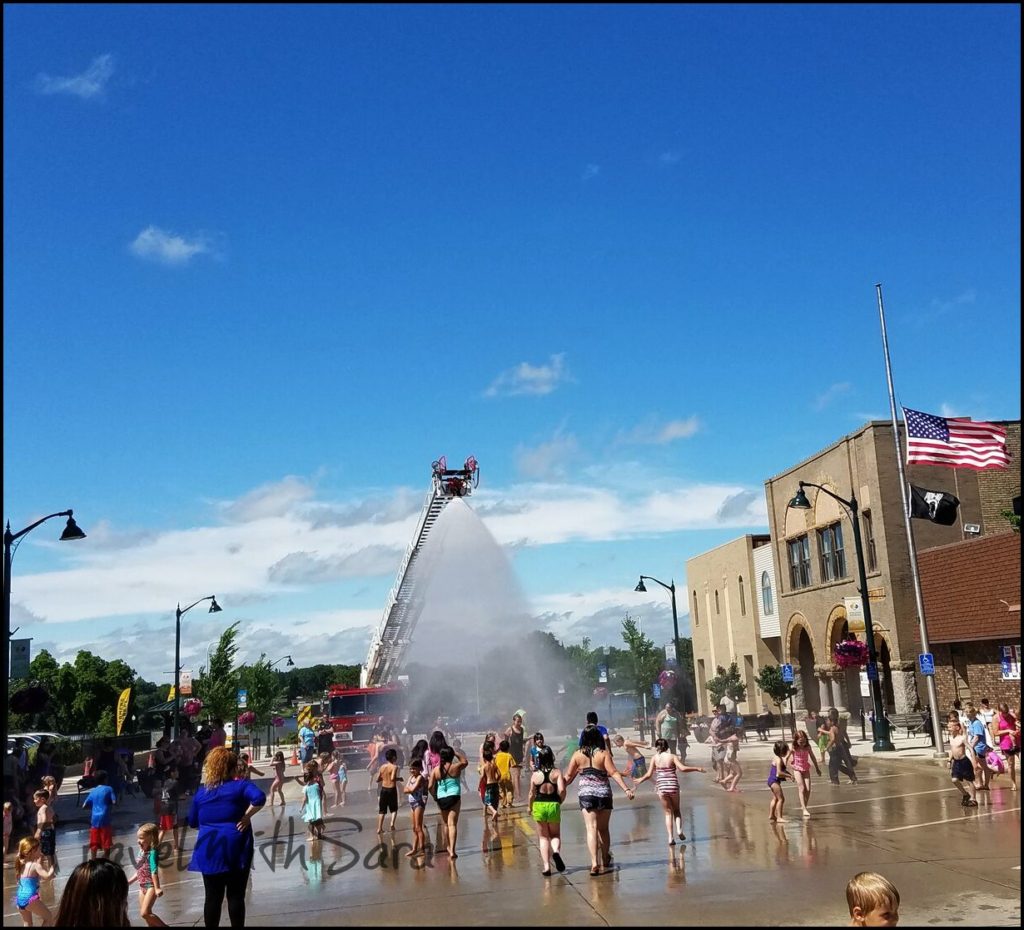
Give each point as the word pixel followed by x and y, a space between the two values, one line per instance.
pixel 869 891
pixel 780 749
pixel 661 745
pixel 391 755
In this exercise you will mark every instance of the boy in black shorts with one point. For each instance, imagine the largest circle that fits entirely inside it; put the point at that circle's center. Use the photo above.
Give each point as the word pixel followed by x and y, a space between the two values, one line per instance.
pixel 388 779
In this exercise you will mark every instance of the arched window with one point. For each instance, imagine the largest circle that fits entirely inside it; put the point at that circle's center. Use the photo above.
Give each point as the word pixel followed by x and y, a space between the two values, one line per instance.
pixel 743 599
pixel 766 594
pixel 717 611
pixel 696 612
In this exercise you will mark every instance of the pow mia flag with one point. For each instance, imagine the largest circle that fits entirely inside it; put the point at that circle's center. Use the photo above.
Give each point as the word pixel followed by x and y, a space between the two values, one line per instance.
pixel 937 506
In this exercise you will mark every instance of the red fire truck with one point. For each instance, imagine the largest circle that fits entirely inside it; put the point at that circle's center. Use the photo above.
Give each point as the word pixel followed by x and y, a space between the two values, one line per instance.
pixel 357 713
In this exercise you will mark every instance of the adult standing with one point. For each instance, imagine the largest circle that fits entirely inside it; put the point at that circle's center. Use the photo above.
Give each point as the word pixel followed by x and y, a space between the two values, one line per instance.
pixel 325 737
pixel 593 763
pixel 1007 735
pixel 516 736
pixel 307 740
pixel 667 726
pixel 218 735
pixel 222 811
pixel 838 748
pixel 717 745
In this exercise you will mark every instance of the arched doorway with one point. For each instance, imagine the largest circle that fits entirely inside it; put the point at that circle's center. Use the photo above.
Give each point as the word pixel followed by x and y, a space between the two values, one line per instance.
pixel 805 658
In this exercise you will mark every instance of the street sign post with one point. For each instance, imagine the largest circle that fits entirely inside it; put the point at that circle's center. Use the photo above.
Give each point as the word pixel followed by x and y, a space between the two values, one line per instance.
pixel 656 690
pixel 243 697
pixel 926 662
pixel 787 673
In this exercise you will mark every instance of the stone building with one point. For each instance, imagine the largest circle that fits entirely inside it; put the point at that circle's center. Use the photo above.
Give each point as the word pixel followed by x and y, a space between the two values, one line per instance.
pixel 814 552
pixel 728 590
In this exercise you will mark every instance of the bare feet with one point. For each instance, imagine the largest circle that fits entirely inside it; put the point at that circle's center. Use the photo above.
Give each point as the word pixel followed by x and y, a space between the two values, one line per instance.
pixel 782 820
pixel 807 813
pixel 771 820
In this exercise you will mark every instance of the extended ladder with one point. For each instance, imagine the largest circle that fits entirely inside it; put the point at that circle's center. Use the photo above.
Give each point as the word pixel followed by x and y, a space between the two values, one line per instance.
pixel 404 604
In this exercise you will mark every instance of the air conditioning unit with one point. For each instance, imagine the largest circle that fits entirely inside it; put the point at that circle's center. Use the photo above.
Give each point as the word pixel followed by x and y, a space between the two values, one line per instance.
pixel 973 528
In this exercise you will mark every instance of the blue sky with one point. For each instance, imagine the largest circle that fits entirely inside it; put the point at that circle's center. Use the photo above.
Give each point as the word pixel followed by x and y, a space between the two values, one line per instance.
pixel 263 264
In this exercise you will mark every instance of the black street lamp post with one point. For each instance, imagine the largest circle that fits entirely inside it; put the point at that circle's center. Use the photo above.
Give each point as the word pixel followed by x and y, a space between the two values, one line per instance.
pixel 71 531
pixel 214 608
pixel 671 588
pixel 880 726
pixel 269 753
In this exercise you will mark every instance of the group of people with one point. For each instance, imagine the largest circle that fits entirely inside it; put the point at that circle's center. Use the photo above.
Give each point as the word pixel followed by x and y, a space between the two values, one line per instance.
pixel 983 744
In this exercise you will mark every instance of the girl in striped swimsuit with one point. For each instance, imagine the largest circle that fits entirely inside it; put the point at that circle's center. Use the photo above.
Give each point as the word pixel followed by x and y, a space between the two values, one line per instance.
pixel 664 767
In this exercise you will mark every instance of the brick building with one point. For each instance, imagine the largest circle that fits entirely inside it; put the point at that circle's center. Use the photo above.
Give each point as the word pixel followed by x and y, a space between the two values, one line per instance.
pixel 972 603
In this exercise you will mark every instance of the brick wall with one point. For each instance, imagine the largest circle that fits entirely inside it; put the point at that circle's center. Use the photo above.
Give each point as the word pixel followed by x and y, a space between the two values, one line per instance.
pixel 984 674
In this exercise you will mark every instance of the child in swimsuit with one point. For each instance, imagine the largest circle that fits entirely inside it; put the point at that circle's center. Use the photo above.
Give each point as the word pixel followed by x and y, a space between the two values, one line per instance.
pixel 147 874
pixel 30 871
pixel 417 792
pixel 776 775
pixel 277 785
pixel 664 767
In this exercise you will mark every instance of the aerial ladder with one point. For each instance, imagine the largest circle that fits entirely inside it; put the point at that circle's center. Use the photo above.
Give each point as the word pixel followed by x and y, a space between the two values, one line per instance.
pixel 391 641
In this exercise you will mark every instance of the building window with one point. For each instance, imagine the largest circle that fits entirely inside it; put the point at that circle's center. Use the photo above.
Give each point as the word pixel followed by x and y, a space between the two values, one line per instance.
pixel 799 561
pixel 743 600
pixel 766 595
pixel 869 540
pixel 717 611
pixel 696 612
pixel 830 547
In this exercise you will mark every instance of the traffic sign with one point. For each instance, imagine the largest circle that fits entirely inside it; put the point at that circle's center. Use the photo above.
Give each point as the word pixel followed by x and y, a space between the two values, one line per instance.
pixel 787 673
pixel 656 690
pixel 926 662
pixel 872 671
pixel 602 673
pixel 243 697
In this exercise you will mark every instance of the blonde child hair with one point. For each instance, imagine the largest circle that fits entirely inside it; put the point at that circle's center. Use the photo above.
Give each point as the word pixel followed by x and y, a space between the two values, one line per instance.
pixel 869 891
pixel 25 849
pixel 152 833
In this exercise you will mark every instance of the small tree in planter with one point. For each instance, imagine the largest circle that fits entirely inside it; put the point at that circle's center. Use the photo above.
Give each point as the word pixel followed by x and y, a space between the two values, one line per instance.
pixel 727 683
pixel 769 680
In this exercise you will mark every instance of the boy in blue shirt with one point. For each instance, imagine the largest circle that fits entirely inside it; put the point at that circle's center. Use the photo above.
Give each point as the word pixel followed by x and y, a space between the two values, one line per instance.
pixel 977 736
pixel 101 799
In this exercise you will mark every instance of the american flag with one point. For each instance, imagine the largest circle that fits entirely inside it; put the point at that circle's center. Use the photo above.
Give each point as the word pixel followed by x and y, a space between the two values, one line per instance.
pixel 954 441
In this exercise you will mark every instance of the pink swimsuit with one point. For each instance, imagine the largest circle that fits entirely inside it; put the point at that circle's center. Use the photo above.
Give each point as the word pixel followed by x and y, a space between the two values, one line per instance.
pixel 801 760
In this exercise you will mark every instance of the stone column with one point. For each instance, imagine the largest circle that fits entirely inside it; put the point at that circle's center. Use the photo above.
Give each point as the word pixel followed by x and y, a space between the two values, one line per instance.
pixel 904 687
pixel 840 691
pixel 825 692
pixel 799 704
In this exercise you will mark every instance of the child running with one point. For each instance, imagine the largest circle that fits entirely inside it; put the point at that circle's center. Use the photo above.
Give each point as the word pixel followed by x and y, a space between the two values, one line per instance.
pixel 30 871
pixel 388 779
pixel 874 901
pixel 312 809
pixel 776 775
pixel 504 761
pixel 167 808
pixel 147 874
pixel 101 799
pixel 490 777
pixel 277 784
pixel 339 778
pixel 637 760
pixel 801 757
pixel 46 828
pixel 246 769
pixel 664 766
pixel 961 768
pixel 547 792
pixel 417 792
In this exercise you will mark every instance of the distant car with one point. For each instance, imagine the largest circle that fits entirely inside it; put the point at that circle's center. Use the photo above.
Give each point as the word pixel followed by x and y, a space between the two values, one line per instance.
pixel 28 739
pixel 38 737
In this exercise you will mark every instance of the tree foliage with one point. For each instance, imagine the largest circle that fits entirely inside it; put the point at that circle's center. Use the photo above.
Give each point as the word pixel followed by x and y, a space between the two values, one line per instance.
pixel 769 680
pixel 217 686
pixel 645 658
pixel 727 682
pixel 264 687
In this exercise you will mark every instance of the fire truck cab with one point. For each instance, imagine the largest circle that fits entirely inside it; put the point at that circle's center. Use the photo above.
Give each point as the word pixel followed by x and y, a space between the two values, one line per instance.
pixel 356 714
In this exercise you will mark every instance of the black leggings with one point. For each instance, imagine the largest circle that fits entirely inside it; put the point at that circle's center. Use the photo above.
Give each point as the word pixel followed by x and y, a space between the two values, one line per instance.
pixel 234 884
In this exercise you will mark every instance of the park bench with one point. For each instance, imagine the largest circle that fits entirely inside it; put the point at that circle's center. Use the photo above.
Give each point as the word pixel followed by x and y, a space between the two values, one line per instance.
pixel 914 723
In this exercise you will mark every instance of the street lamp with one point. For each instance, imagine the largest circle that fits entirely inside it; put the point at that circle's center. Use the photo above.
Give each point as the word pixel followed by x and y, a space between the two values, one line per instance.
pixel 671 588
pixel 291 664
pixel 71 531
pixel 214 608
pixel 880 725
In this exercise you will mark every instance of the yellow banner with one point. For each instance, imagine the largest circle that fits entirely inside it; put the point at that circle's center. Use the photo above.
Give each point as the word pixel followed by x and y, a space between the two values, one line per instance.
pixel 305 715
pixel 122 708
pixel 170 694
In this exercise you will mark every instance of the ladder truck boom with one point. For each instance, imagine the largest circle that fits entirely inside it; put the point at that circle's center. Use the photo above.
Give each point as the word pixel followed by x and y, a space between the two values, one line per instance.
pixel 391 641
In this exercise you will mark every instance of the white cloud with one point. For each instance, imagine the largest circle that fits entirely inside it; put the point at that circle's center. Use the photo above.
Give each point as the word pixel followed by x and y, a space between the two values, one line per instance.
pixel 948 410
pixel 158 245
pixel 549 460
pixel 590 172
pixel 89 84
pixel 651 432
pixel 830 394
pixel 525 378
pixel 274 499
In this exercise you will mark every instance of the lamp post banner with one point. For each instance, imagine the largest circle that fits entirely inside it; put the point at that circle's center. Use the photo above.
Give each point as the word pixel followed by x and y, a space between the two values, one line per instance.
pixel 21 657
pixel 185 682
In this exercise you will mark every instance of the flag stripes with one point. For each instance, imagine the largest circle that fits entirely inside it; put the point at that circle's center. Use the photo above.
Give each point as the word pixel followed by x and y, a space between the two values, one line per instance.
pixel 954 441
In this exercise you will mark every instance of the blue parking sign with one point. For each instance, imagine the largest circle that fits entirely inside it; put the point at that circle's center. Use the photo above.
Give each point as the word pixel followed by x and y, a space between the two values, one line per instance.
pixel 656 690
pixel 926 662
pixel 787 674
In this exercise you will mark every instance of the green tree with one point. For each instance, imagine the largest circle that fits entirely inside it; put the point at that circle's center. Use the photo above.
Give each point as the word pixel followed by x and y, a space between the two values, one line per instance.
pixel 1012 518
pixel 644 657
pixel 769 680
pixel 727 682
pixel 265 690
pixel 217 686
pixel 685 691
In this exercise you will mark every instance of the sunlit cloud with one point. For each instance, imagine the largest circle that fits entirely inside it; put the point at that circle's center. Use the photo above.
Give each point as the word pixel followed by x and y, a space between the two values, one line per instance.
pixel 653 432
pixel 525 378
pixel 155 244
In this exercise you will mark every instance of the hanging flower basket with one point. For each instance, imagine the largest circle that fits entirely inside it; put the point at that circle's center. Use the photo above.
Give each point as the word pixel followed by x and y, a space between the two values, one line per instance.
pixel 192 707
pixel 667 679
pixel 851 653
pixel 278 721
pixel 247 719
pixel 601 692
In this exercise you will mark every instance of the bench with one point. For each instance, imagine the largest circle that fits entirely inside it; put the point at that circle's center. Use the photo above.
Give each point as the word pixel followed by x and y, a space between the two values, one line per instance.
pixel 914 723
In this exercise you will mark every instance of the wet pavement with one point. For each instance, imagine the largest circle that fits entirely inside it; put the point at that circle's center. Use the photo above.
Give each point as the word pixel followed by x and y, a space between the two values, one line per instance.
pixel 952 866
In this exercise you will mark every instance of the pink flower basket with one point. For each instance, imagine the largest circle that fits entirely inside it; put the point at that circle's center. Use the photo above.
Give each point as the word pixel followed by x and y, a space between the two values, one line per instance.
pixel 192 707
pixel 247 719
pixel 851 653
pixel 667 679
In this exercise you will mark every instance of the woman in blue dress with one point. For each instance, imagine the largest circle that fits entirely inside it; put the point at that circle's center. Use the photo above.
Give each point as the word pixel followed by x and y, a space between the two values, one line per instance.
pixel 222 811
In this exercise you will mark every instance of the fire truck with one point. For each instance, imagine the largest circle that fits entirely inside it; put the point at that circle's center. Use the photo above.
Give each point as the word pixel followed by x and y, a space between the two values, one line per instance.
pixel 379 701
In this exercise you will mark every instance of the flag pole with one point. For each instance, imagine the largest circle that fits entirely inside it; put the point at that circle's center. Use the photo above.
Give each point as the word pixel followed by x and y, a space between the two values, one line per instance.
pixel 959 510
pixel 933 701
